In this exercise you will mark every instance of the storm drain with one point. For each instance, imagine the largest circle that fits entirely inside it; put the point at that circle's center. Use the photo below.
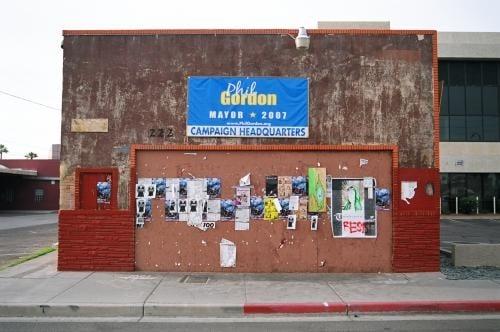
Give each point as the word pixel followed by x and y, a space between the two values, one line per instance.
pixel 188 279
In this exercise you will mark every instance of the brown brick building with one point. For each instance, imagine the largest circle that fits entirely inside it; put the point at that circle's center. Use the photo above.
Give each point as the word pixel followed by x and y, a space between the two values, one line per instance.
pixel 372 112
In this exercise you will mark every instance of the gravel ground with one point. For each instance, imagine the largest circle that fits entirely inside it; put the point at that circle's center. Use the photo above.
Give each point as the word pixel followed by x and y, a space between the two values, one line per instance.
pixel 462 273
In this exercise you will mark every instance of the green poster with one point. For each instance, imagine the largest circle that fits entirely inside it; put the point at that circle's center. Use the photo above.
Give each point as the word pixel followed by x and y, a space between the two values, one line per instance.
pixel 317 189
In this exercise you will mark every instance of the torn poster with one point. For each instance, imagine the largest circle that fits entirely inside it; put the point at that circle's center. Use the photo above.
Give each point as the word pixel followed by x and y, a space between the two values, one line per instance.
pixel 143 208
pixel 299 185
pixel 328 186
pixel 196 188
pixel 227 253
pixel 317 189
pixel 272 185
pixel 140 190
pixel 245 181
pixel 408 190
pixel 242 222
pixel 241 226
pixel 139 221
pixel 291 222
pixel 183 216
pixel 242 214
pixel 195 219
pixel 270 210
pixel 213 210
pixel 182 205
pixel 213 187
pixel 243 196
pixel 104 191
pixel 302 213
pixel 353 213
pixel 183 188
pixel 293 203
pixel 171 210
pixel 363 162
pixel 172 187
pixel 256 206
pixel 382 199
pixel 213 206
pixel 227 209
pixel 284 186
pixel 160 184
pixel 285 206
pixel 213 216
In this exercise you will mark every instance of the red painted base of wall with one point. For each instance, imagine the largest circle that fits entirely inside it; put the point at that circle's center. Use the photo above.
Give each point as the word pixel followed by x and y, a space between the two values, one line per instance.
pixel 96 240
pixel 415 228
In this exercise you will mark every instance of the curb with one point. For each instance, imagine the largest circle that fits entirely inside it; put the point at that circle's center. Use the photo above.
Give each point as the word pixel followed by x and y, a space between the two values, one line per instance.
pixel 373 307
pixel 67 310
pixel 186 310
pixel 294 308
pixel 201 310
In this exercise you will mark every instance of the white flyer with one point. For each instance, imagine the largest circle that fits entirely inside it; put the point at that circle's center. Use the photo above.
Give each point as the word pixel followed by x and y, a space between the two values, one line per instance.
pixel 227 253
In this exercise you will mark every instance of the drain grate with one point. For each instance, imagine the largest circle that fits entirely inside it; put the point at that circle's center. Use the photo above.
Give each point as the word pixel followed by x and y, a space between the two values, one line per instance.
pixel 188 279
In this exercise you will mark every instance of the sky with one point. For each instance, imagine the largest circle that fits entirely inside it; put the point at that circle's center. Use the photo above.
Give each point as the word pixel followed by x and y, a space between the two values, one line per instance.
pixel 31 59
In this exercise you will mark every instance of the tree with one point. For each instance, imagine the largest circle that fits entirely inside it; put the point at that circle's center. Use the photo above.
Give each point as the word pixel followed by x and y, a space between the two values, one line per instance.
pixel 3 149
pixel 31 155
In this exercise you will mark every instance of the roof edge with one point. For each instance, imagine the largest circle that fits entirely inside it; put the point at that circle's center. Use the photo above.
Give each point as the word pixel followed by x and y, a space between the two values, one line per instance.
pixel 146 32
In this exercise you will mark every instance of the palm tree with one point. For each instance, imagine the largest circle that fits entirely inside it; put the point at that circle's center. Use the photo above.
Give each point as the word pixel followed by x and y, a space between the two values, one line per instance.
pixel 30 155
pixel 3 149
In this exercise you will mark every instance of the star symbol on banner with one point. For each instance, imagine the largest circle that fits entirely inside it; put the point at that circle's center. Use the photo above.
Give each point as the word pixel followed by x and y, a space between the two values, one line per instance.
pixel 252 115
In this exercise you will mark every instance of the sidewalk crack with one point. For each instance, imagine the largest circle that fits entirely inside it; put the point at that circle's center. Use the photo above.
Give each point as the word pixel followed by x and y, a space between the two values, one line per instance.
pixel 340 297
pixel 67 289
pixel 149 295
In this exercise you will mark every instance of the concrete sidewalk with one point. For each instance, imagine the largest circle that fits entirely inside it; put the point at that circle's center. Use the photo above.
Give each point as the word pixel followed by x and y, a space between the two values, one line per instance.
pixel 37 289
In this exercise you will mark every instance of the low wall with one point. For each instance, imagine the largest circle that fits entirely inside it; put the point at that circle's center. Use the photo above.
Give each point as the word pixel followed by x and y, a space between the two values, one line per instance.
pixel 96 240
pixel 476 254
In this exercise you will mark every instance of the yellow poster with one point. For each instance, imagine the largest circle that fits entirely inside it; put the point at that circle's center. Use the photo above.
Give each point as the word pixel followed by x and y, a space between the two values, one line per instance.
pixel 270 210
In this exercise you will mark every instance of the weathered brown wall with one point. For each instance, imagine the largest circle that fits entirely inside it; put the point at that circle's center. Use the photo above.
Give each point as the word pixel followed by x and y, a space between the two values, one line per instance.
pixel 266 247
pixel 364 89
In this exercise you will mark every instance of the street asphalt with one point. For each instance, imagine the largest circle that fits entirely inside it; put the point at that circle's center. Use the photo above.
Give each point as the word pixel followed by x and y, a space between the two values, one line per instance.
pixel 22 234
pixel 429 323
pixel 468 231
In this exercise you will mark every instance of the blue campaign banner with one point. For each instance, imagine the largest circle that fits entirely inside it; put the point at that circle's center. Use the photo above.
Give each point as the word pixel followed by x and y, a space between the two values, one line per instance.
pixel 248 107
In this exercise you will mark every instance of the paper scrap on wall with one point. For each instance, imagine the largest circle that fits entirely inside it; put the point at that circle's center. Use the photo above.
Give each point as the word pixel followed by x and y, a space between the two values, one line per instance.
pixel 408 190
pixel 227 253
pixel 245 181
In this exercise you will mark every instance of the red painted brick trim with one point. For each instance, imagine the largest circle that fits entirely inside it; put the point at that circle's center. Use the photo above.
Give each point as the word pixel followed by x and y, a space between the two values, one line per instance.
pixel 133 32
pixel 96 240
pixel 87 170
pixel 436 105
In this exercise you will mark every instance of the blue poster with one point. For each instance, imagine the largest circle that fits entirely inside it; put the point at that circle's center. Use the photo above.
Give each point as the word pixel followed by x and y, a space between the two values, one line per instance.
pixel 269 107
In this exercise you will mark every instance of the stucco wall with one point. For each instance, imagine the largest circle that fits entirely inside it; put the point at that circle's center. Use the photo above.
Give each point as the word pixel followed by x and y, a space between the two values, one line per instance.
pixel 470 157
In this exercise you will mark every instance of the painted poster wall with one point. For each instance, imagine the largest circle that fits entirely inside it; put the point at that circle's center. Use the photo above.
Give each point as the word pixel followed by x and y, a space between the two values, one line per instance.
pixel 163 244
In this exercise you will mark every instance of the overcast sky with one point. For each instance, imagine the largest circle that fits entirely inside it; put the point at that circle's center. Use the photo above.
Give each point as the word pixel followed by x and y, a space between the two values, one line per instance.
pixel 31 57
